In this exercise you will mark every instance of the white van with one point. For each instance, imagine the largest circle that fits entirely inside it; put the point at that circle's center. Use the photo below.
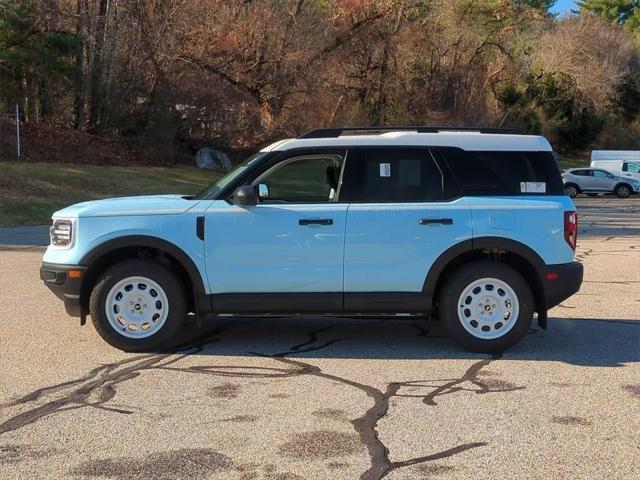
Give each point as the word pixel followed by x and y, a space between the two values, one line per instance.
pixel 623 163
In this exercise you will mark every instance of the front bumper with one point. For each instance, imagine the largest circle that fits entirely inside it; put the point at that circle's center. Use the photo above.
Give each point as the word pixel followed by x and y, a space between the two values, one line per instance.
pixel 561 281
pixel 66 287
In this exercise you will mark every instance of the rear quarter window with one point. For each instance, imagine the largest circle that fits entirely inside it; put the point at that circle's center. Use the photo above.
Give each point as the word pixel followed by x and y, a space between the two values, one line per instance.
pixel 493 173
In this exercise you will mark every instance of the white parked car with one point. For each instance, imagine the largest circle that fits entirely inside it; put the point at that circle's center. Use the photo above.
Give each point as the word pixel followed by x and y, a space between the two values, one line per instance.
pixel 594 180
pixel 622 163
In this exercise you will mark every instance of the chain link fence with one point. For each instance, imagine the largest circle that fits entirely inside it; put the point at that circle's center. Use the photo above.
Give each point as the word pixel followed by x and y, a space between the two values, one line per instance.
pixel 10 134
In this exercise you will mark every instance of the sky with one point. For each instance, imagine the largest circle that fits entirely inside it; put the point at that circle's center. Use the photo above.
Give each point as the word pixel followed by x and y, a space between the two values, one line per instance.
pixel 563 6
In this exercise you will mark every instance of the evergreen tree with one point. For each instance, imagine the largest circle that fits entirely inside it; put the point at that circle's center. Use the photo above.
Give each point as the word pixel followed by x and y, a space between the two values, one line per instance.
pixel 614 11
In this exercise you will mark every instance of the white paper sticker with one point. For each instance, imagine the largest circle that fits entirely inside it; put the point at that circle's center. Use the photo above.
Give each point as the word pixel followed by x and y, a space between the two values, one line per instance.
pixel 536 187
pixel 533 187
pixel 385 169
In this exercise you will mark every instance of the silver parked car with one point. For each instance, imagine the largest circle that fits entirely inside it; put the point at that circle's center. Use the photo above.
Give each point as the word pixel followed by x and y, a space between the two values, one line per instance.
pixel 595 180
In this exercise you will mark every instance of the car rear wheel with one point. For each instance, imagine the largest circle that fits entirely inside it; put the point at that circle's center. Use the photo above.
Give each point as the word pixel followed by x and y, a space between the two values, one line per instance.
pixel 622 191
pixel 571 190
pixel 486 306
pixel 138 306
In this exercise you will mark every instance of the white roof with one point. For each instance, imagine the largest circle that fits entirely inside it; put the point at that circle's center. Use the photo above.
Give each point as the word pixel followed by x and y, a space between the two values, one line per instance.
pixel 464 140
pixel 616 155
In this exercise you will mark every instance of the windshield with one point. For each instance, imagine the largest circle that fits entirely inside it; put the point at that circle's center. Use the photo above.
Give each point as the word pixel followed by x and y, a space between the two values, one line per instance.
pixel 212 190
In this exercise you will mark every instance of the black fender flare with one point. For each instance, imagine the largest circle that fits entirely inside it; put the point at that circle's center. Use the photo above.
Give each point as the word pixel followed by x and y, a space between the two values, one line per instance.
pixel 486 243
pixel 150 242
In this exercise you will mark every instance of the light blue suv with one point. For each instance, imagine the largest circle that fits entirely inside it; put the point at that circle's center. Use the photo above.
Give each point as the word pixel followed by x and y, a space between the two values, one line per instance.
pixel 470 226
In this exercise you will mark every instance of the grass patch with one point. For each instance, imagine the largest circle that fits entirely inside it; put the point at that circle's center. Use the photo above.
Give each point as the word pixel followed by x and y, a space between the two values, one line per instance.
pixel 31 192
pixel 573 162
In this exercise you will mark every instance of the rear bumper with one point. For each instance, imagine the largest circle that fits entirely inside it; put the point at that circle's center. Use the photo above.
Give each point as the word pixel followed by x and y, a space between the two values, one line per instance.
pixel 56 278
pixel 560 282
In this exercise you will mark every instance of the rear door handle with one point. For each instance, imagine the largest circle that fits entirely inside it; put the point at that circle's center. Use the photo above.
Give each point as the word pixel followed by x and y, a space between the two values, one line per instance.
pixel 436 221
pixel 315 221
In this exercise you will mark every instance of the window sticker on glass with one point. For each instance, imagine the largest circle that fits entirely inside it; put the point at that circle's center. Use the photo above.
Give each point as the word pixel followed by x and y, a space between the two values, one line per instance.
pixel 533 187
pixel 385 169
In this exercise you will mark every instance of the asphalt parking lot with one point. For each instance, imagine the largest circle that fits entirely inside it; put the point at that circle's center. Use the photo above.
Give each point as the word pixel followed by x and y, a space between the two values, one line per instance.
pixel 319 398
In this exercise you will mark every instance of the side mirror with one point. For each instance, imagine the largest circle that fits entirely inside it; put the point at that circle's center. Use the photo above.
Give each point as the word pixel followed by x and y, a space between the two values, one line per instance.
pixel 610 176
pixel 245 196
pixel 263 190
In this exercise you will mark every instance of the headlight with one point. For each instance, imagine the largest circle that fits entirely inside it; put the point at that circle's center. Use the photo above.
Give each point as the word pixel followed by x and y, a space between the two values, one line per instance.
pixel 62 232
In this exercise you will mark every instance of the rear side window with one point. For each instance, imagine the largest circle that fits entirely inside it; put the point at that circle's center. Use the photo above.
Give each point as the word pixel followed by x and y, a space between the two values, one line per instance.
pixel 480 173
pixel 582 173
pixel 395 175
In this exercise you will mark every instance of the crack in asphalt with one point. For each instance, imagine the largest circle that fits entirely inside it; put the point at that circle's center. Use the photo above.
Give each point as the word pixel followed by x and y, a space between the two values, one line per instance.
pixel 366 425
pixel 102 382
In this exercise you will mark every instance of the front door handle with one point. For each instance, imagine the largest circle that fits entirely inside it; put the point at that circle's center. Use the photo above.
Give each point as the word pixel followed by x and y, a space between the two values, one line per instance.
pixel 314 221
pixel 436 221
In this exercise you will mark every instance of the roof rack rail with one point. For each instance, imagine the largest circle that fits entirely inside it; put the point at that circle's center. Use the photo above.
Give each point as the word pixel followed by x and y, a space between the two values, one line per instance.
pixel 337 131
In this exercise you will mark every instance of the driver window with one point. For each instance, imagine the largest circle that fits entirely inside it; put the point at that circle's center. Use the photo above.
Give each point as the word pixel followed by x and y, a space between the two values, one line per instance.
pixel 600 174
pixel 631 167
pixel 303 179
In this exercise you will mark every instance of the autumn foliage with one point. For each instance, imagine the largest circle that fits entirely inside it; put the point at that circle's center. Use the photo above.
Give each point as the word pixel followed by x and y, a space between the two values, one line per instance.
pixel 171 75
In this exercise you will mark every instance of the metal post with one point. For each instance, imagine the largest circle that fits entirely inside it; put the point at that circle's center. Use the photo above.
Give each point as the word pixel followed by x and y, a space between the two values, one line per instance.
pixel 18 128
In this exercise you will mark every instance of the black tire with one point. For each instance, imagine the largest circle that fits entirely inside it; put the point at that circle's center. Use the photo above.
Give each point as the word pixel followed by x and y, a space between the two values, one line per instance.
pixel 623 190
pixel 454 288
pixel 166 279
pixel 571 190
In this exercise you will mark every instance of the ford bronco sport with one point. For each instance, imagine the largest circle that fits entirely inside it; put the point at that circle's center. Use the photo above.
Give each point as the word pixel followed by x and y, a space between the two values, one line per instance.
pixel 470 226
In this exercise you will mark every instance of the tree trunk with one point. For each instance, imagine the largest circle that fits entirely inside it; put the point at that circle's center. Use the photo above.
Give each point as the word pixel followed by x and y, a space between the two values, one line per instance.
pixel 97 95
pixel 79 94
pixel 109 61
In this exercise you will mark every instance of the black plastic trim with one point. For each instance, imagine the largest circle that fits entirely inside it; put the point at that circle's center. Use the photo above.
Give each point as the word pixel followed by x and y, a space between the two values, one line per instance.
pixel 157 243
pixel 480 243
pixel 336 132
pixel 315 221
pixel 200 228
pixel 567 282
pixel 431 280
pixel 433 221
pixel 387 302
pixel 277 303
pixel 55 277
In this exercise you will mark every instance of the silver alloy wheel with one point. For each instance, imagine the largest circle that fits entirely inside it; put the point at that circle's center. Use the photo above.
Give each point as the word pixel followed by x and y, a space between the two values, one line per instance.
pixel 623 191
pixel 571 191
pixel 136 307
pixel 488 308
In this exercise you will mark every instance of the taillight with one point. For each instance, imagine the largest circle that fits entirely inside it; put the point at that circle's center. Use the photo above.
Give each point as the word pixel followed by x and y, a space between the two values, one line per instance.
pixel 571 228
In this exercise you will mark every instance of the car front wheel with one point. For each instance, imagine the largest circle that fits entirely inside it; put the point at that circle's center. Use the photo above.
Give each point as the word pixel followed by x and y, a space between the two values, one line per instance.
pixel 623 191
pixel 138 306
pixel 486 306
